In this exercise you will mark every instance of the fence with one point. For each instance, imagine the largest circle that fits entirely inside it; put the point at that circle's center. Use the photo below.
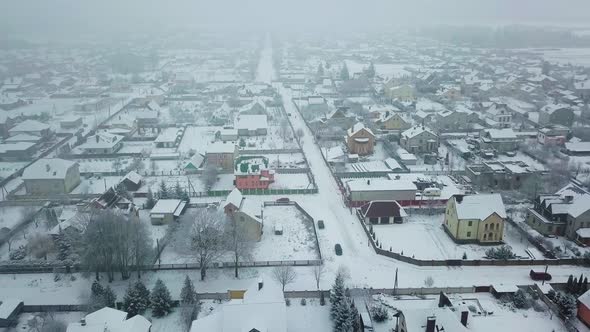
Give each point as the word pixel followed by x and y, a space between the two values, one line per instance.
pixel 216 193
pixel 54 307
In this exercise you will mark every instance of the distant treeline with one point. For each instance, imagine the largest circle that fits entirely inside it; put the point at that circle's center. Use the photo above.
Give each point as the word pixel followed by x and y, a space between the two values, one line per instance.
pixel 513 36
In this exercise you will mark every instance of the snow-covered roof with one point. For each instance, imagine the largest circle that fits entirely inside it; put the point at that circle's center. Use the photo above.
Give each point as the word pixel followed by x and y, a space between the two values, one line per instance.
pixel 251 121
pixel 417 130
pixel 585 299
pixel 133 177
pixel 577 146
pixel 551 108
pixel 29 126
pixel 102 141
pixel 221 147
pixel 358 127
pixel 505 133
pixel 107 317
pixel 262 309
pixel 137 323
pixel 380 185
pixel 48 168
pixel 479 207
pixel 7 307
pixel 166 206
pixel 583 233
pixel 23 137
pixel 196 160
pixel 235 197
pixel 445 319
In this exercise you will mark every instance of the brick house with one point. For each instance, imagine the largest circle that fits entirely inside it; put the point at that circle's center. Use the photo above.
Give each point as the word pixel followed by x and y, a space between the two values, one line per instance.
pixel 360 140
pixel 252 173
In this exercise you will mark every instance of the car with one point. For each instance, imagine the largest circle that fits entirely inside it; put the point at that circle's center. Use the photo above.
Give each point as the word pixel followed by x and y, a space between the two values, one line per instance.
pixel 283 200
pixel 321 224
pixel 539 275
pixel 338 249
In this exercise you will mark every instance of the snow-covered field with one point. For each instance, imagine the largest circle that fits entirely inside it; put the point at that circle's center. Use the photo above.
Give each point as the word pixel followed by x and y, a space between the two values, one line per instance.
pixel 421 236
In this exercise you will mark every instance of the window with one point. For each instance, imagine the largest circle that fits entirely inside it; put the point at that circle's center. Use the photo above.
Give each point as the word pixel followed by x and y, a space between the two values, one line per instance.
pixel 485 227
pixel 470 223
pixel 485 237
pixel 468 234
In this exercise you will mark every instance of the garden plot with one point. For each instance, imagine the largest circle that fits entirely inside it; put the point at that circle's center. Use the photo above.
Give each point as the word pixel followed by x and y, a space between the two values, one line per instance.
pixel 190 183
pixel 197 139
pixel 144 148
pixel 12 217
pixel 291 181
pixel 309 317
pixel 276 139
pixel 96 185
pixel 421 236
pixel 286 160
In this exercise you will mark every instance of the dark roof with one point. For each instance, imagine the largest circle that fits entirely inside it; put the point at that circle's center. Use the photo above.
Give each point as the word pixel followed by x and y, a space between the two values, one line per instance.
pixel 376 209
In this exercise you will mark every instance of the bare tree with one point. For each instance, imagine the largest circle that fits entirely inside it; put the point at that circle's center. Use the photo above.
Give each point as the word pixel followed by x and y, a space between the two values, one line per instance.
pixel 284 275
pixel 207 236
pixel 284 128
pixel 209 176
pixel 40 245
pixel 318 273
pixel 237 242
pixel 429 282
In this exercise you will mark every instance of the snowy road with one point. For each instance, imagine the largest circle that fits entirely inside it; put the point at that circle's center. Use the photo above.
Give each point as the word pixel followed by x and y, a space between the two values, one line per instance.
pixel 266 72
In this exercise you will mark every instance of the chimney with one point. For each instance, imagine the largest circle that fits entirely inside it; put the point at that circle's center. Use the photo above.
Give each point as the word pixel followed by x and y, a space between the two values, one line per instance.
pixel 97 138
pixel 260 284
pixel 459 199
pixel 569 198
pixel 430 324
pixel 464 316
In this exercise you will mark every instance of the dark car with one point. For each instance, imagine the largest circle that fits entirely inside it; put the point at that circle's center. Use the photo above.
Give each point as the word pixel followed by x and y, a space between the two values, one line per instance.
pixel 540 275
pixel 283 200
pixel 338 249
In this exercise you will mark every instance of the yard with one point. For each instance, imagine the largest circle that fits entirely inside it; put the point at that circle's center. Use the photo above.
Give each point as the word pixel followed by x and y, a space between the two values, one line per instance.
pixel 421 236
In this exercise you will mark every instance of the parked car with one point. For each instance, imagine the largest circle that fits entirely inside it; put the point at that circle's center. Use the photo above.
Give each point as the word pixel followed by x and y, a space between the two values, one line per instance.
pixel 540 275
pixel 321 224
pixel 283 200
pixel 338 249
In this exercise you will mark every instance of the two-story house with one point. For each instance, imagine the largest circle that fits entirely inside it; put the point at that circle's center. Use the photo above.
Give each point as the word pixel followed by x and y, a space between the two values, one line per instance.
pixel 419 139
pixel 475 218
pixel 561 114
pixel 360 140
pixel 502 140
pixel 498 116
pixel 221 155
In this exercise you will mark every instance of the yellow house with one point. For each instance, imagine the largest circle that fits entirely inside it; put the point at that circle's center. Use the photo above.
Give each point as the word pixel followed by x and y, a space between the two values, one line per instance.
pixel 404 92
pixel 475 218
pixel 394 121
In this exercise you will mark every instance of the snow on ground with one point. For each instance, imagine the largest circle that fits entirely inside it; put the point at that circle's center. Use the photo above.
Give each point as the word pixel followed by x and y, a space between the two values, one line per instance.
pixel 9 168
pixel 96 185
pixel 421 236
pixel 427 105
pixel 66 317
pixel 309 317
pixel 291 181
pixel 286 160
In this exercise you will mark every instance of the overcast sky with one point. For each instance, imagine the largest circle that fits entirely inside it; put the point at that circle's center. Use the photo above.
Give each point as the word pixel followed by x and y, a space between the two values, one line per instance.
pixel 54 17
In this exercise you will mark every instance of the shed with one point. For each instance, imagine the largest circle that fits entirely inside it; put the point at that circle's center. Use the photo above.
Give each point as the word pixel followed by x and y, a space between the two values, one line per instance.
pixel 167 210
pixel 9 311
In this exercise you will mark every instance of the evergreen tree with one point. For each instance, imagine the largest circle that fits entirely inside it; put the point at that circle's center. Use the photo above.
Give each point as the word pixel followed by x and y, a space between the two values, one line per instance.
pixel 343 319
pixel 63 245
pixel 143 293
pixel 574 286
pixel 580 284
pixel 569 284
pixel 344 75
pixel 97 289
pixel 356 324
pixel 178 191
pixel 187 293
pixel 371 70
pixel 163 192
pixel 584 285
pixel 150 201
pixel 135 300
pixel 519 299
pixel 336 295
pixel 109 297
pixel 161 300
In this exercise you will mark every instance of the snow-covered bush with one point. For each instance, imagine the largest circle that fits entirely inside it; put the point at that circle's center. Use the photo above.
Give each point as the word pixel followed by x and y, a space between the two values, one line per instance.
pixel 504 252
pixel 379 313
pixel 18 254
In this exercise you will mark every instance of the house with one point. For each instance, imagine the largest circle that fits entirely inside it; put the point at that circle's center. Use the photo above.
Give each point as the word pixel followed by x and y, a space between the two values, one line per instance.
pixel 147 119
pixel 49 176
pixel 475 218
pixel 500 115
pixel 251 125
pixel 506 175
pixel 221 155
pixel 502 140
pixel 71 122
pixel 32 127
pixel 17 151
pixel 582 89
pixel 166 211
pixel 455 120
pixel 110 320
pixel 584 308
pixel 441 319
pixel 169 138
pixel 111 199
pixel 360 140
pixel 102 143
pixel 419 139
pixel 227 134
pixel 131 181
pixel 252 172
pixel 246 213
pixel 9 311
pixel 404 93
pixel 389 120
pixel 340 117
pixel 195 163
pixel 561 114
pixel 565 213
pixel 553 135
pixel 577 148
pixel 361 192
pixel 382 212
pixel 261 309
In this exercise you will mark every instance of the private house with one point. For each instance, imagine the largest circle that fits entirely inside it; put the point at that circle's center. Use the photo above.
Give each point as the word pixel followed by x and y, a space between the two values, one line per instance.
pixel 404 93
pixel 393 121
pixel 360 140
pixel 553 135
pixel 31 127
pixel 565 213
pixel 195 163
pixel 505 175
pixel 341 118
pixel 227 134
pixel 9 311
pixel 577 148
pixel 584 308
pixel 561 114
pixel 261 308
pixel 147 119
pixel 449 92
pixel 71 122
pixel 475 218
pixel 419 139
pixel 167 210
pixel 131 181
pixel 455 120
pixel 382 212
pixel 169 138
pixel 252 173
pixel 110 320
pixel 361 192
pixel 251 125
pixel 582 89
pixel 221 155
pixel 111 199
pixel 51 176
pixel 501 140
pixel 498 116
pixel 102 143
pixel 246 213
pixel 17 151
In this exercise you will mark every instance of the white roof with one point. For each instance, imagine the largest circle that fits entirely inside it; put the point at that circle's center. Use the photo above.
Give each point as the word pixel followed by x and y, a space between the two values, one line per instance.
pixel 19 146
pixel 358 127
pixel 48 168
pixel 445 319
pixel 585 299
pixel 380 185
pixel 137 323
pixel 133 177
pixel 583 232
pixel 501 133
pixel 235 197
pixel 109 317
pixel 165 206
pixel 7 306
pixel 505 288
pixel 221 147
pixel 479 207
pixel 417 130
pixel 251 122
pixel 104 141
pixel 29 126
pixel 578 146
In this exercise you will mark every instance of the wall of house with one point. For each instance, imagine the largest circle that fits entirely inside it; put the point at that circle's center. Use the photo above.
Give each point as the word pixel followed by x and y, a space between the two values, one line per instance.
pixel 223 160
pixel 420 143
pixel 361 148
pixel 573 224
pixel 72 179
pixel 168 218
pixel 491 230
pixel 395 123
pixel 584 313
pixel 251 182
pixel 250 227
pixel 43 187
